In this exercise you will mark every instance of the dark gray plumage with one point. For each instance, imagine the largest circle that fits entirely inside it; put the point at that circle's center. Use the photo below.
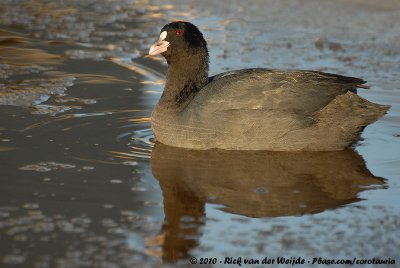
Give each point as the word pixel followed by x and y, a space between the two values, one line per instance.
pixel 253 109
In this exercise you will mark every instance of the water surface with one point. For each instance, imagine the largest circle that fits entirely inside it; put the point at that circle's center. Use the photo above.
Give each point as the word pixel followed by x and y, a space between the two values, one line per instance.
pixel 83 184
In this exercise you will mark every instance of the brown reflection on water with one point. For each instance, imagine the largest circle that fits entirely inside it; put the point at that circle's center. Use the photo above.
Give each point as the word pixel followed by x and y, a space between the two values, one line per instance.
pixel 26 56
pixel 11 39
pixel 13 52
pixel 253 184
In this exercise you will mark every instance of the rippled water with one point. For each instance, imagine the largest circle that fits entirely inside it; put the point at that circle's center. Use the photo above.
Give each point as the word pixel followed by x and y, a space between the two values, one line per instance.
pixel 83 184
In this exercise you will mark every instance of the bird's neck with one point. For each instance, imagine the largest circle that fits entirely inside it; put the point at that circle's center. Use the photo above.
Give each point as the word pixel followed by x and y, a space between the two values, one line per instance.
pixel 185 78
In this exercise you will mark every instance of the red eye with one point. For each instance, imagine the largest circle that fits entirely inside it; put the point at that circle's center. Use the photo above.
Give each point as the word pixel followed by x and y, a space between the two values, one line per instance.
pixel 179 32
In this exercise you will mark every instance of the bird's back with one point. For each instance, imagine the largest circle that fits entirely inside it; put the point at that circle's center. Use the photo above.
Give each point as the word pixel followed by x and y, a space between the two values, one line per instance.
pixel 263 109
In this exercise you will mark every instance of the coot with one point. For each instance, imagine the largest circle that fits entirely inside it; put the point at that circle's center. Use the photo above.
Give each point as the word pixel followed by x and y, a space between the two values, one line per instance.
pixel 253 109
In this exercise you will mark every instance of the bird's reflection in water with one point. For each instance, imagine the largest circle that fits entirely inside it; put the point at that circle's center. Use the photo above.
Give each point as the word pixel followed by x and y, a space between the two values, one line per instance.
pixel 253 184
